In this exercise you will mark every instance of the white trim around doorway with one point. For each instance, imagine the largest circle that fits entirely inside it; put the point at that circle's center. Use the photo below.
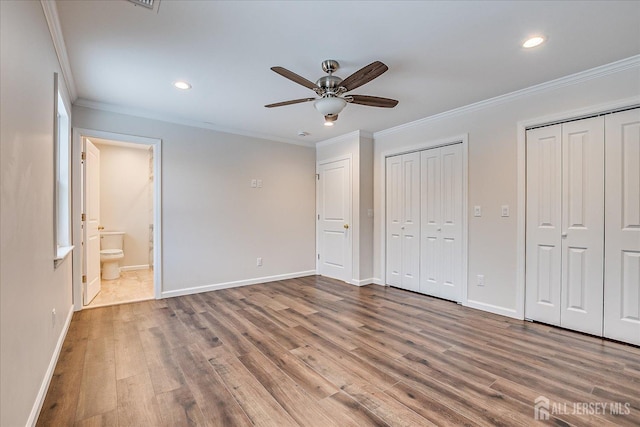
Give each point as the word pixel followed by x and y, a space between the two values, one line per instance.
pixel 76 150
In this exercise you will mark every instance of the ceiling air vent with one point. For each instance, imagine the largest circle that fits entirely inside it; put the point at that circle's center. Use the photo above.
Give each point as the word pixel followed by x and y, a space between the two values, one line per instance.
pixel 146 3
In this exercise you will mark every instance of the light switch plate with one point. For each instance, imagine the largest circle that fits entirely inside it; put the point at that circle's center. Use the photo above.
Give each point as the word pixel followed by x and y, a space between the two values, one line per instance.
pixel 477 210
pixel 505 210
pixel 254 183
pixel 259 183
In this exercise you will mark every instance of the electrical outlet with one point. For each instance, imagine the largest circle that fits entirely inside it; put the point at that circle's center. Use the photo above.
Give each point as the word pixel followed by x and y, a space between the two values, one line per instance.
pixel 480 279
pixel 505 210
pixel 259 262
pixel 477 210
pixel 259 183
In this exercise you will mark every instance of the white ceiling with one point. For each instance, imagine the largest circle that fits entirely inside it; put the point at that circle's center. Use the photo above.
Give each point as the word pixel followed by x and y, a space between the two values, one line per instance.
pixel 441 55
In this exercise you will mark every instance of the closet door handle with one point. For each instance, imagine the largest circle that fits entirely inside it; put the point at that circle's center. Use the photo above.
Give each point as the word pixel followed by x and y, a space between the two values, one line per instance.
pixel 564 235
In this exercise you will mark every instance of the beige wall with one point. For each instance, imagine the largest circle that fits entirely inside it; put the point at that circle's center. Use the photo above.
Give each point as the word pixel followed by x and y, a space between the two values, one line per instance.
pixel 493 173
pixel 214 225
pixel 124 198
pixel 30 287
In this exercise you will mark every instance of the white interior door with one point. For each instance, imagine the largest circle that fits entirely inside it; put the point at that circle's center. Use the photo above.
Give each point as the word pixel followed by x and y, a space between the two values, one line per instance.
pixel 431 222
pixel 403 221
pixel 543 229
pixel 394 195
pixel 582 225
pixel 441 241
pixel 91 234
pixel 622 268
pixel 334 205
pixel 410 225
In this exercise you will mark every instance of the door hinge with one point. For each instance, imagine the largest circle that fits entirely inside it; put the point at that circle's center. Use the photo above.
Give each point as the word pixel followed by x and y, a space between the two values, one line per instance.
pixel 83 156
pixel 318 256
pixel 318 217
pixel 83 217
pixel 84 278
pixel 318 176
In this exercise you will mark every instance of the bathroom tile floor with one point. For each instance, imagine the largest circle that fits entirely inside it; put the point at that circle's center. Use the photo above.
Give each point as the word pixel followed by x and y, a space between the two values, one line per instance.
pixel 136 285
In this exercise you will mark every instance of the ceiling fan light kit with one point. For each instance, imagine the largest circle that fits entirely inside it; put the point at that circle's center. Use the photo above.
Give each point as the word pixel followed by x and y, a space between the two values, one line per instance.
pixel 330 105
pixel 331 89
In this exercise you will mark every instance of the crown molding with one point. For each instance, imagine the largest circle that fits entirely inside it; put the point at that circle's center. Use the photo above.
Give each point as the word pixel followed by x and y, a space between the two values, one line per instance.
pixel 53 21
pixel 582 76
pixel 346 137
pixel 137 112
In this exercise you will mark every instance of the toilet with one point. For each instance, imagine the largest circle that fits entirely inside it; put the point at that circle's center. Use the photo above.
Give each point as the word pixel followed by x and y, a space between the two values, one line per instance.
pixel 111 252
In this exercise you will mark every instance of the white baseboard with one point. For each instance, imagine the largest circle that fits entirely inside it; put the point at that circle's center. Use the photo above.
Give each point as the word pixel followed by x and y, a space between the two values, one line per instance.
pixel 235 284
pixel 377 281
pixel 495 309
pixel 362 282
pixel 134 267
pixel 42 393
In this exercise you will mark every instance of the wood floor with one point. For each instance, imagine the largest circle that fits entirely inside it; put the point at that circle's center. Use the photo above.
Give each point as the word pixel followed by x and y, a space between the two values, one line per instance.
pixel 317 352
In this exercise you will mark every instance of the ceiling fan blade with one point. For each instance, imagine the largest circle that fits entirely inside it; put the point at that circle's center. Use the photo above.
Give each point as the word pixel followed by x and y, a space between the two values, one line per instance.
pixel 374 101
pixel 293 101
pixel 294 77
pixel 364 75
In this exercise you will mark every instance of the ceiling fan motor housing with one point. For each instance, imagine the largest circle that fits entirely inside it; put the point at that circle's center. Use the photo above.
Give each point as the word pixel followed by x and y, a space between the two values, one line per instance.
pixel 329 83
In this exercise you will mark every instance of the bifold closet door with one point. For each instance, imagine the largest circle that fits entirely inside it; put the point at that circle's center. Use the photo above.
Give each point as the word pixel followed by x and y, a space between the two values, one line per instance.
pixel 622 247
pixel 441 222
pixel 565 225
pixel 582 225
pixel 403 221
pixel 543 229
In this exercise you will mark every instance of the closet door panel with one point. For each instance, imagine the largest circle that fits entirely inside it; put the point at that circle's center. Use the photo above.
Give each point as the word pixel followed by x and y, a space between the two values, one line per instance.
pixel 543 229
pixel 431 221
pixel 411 222
pixel 394 221
pixel 583 225
pixel 451 233
pixel 622 244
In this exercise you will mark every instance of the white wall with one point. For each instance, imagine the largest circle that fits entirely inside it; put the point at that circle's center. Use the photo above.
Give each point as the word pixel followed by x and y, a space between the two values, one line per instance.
pixel 493 174
pixel 214 224
pixel 30 287
pixel 124 198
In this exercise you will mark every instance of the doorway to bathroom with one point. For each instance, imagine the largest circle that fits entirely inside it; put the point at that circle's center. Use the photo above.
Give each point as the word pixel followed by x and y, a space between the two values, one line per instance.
pixel 118 206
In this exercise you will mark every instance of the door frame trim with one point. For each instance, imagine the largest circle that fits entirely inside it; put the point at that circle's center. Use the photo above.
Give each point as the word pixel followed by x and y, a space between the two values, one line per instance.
pixel 382 179
pixel 355 251
pixel 521 159
pixel 77 189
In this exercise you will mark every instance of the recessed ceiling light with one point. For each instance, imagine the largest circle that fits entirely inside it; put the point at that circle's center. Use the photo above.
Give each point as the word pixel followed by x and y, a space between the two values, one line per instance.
pixel 182 85
pixel 533 42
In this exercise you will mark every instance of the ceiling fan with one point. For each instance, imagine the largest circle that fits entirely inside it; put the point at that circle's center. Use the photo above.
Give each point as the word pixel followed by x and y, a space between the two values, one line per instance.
pixel 332 89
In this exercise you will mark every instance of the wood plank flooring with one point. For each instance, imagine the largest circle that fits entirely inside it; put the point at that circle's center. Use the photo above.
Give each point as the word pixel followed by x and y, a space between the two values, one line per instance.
pixel 318 352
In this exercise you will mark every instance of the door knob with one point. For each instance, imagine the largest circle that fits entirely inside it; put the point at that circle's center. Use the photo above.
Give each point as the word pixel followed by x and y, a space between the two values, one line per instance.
pixel 564 235
pixel 100 227
pixel 439 229
pixel 346 226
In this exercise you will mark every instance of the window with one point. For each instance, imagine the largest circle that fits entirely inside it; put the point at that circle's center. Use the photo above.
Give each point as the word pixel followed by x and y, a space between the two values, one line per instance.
pixel 62 178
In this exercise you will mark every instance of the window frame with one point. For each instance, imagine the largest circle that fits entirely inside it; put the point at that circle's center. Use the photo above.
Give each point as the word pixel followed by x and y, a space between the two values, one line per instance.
pixel 62 235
